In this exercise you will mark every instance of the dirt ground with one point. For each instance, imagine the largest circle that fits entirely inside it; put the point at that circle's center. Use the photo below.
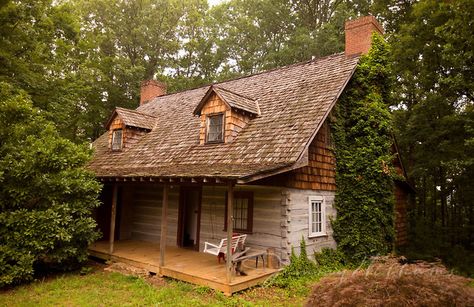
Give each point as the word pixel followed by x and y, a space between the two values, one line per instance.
pixel 390 281
pixel 126 269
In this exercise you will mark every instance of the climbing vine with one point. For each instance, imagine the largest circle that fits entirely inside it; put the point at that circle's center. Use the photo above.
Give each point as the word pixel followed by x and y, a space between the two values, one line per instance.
pixel 364 174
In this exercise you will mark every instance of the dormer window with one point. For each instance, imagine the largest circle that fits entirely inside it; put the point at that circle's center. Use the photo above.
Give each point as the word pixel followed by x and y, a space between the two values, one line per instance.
pixel 223 114
pixel 117 139
pixel 127 127
pixel 215 128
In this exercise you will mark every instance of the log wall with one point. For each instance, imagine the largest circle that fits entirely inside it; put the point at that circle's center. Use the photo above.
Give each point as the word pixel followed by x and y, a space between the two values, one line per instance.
pixel 266 231
pixel 142 213
pixel 296 222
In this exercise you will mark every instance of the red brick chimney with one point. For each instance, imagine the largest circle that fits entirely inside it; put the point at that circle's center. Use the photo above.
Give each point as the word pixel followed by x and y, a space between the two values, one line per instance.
pixel 151 89
pixel 359 34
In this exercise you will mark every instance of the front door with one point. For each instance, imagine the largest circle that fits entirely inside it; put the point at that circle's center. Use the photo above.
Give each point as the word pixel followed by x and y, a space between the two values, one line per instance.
pixel 189 217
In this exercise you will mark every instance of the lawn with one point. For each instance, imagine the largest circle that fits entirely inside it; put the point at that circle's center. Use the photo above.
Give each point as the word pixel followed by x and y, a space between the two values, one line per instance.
pixel 102 288
pixel 385 281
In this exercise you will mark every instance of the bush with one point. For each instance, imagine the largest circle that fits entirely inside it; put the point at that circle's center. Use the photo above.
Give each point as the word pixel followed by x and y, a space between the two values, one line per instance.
pixel 46 196
pixel 330 259
pixel 301 271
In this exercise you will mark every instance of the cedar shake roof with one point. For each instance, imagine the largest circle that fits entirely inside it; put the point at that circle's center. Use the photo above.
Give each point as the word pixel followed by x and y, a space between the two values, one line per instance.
pixel 294 101
pixel 133 118
pixel 233 100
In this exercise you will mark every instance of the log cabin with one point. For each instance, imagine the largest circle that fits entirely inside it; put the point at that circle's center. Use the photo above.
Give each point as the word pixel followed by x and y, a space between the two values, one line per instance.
pixel 250 156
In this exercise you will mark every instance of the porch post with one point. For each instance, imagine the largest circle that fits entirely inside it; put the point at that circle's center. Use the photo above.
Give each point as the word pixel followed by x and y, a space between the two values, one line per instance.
pixel 112 219
pixel 164 225
pixel 230 230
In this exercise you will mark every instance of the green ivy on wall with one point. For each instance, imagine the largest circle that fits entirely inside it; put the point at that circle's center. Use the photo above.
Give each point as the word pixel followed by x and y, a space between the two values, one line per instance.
pixel 362 128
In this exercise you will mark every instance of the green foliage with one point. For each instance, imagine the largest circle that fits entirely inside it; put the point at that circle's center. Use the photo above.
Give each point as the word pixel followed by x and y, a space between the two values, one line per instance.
pixel 46 197
pixel 331 259
pixel 364 173
pixel 302 271
pixel 433 60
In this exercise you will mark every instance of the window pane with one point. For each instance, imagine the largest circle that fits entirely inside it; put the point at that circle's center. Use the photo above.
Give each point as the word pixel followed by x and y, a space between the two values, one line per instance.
pixel 117 139
pixel 241 212
pixel 316 216
pixel 214 133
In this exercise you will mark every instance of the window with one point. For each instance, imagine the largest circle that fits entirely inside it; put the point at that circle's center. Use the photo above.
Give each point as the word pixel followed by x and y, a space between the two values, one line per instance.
pixel 215 128
pixel 242 212
pixel 317 216
pixel 117 139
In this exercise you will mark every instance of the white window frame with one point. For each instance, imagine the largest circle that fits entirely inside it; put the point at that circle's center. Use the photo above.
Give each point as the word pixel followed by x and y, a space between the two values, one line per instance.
pixel 310 216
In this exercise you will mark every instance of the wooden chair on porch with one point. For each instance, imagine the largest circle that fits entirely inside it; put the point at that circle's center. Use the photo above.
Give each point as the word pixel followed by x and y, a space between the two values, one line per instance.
pixel 220 250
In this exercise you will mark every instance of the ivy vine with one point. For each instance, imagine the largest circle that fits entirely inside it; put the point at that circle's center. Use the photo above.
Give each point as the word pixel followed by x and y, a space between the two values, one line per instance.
pixel 362 131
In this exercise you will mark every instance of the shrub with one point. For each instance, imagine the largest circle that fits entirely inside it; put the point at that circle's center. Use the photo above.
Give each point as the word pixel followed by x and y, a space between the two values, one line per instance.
pixel 302 271
pixel 46 196
pixel 330 259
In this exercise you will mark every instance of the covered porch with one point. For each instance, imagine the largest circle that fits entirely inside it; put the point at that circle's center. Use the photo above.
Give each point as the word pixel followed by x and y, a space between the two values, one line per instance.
pixel 183 264
pixel 162 227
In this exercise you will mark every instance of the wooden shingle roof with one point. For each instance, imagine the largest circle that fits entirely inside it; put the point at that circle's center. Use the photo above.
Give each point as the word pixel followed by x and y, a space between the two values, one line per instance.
pixel 294 101
pixel 133 118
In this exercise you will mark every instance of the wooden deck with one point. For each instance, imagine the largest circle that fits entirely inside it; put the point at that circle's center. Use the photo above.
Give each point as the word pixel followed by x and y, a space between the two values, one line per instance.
pixel 187 265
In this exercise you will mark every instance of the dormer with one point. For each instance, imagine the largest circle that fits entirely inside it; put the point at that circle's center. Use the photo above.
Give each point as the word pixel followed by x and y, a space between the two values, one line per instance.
pixel 126 127
pixel 224 114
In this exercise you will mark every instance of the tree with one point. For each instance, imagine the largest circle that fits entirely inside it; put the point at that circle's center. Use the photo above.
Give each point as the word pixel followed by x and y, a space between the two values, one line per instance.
pixel 433 60
pixel 46 196
pixel 41 53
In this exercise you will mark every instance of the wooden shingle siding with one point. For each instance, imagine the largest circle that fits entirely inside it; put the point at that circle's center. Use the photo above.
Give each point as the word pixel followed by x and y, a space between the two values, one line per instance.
pixel 320 174
pixel 213 106
pixel 297 221
pixel 116 124
pixel 234 121
pixel 130 135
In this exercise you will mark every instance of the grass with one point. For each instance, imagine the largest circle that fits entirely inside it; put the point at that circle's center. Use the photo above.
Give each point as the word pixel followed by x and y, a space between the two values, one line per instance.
pixel 384 281
pixel 101 288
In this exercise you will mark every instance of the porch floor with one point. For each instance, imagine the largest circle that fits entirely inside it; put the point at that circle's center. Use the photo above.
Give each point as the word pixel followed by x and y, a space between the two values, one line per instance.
pixel 183 264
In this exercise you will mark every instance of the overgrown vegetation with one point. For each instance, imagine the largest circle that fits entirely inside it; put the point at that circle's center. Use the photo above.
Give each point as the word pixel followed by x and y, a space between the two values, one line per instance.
pixel 362 130
pixel 301 272
pixel 46 197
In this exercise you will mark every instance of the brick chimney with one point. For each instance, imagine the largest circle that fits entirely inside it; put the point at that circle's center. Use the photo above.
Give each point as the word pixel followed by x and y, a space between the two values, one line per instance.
pixel 359 34
pixel 151 89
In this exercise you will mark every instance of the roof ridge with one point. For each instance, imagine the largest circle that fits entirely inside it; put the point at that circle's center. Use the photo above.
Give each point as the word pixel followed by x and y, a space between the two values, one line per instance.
pixel 285 67
pixel 232 92
pixel 258 73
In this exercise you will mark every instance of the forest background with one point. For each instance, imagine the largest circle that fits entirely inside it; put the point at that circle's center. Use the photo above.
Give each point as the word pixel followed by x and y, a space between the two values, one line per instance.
pixel 79 59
